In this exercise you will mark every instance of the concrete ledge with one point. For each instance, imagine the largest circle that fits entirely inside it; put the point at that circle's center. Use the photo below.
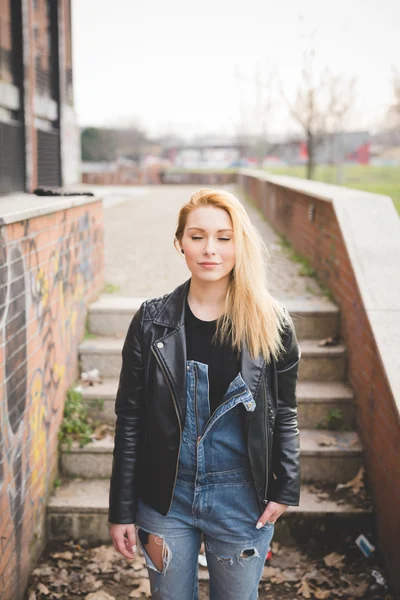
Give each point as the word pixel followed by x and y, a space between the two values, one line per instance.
pixel 18 207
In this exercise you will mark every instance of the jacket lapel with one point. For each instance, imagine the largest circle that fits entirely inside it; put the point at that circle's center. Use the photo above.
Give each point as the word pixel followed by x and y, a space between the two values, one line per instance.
pixel 251 370
pixel 173 349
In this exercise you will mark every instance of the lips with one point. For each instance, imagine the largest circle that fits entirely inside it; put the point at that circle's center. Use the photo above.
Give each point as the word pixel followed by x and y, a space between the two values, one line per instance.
pixel 209 263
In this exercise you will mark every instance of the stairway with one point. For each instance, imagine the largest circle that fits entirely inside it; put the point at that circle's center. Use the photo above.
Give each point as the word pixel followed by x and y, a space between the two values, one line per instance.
pixel 78 508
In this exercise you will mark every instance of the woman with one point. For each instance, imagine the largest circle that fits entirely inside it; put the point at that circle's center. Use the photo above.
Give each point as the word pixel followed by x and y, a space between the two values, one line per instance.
pixel 206 435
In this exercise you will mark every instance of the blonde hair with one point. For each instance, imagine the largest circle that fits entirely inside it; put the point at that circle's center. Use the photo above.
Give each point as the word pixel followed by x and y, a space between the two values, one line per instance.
pixel 251 314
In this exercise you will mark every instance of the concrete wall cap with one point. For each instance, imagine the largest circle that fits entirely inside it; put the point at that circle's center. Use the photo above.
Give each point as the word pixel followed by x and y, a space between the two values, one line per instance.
pixel 18 207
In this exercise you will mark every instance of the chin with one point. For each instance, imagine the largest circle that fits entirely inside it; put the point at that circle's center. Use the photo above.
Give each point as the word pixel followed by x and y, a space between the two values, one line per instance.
pixel 211 275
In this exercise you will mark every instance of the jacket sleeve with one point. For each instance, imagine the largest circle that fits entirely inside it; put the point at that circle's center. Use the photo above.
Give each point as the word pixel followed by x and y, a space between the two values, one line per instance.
pixel 285 488
pixel 128 408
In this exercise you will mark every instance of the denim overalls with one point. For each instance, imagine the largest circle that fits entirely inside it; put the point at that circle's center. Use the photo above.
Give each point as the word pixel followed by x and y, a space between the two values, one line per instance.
pixel 214 494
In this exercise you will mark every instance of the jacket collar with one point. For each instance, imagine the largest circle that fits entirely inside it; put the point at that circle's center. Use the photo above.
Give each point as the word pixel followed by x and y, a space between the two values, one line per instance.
pixel 172 314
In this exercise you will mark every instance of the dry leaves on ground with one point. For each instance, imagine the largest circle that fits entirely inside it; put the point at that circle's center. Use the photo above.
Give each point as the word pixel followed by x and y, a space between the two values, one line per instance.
pixel 334 560
pixel 326 440
pixel 102 595
pixel 355 485
pixel 142 590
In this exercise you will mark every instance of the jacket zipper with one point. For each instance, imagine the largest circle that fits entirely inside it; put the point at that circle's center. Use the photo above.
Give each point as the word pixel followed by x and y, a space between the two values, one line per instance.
pixel 267 440
pixel 179 422
pixel 195 401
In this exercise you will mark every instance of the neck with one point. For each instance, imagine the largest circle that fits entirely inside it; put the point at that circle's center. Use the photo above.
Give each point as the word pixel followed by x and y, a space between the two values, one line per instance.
pixel 208 294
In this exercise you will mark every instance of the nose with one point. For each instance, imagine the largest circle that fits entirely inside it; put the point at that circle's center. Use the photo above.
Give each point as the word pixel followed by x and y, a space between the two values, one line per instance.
pixel 209 248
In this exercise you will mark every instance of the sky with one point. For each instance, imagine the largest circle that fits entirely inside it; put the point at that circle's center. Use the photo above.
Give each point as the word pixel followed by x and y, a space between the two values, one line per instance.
pixel 173 66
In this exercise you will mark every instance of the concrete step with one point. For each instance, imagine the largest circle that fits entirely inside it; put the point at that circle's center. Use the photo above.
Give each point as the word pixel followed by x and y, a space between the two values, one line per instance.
pixel 329 456
pixel 111 314
pixel 318 363
pixel 78 509
pixel 93 460
pixel 326 463
pixel 316 400
pixel 314 319
pixel 322 363
pixel 99 400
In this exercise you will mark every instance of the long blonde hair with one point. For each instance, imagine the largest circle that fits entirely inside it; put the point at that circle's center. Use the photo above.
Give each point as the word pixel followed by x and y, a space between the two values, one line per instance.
pixel 251 314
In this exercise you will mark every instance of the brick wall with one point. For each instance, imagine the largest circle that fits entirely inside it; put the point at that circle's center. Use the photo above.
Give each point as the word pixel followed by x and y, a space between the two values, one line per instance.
pixel 321 241
pixel 51 266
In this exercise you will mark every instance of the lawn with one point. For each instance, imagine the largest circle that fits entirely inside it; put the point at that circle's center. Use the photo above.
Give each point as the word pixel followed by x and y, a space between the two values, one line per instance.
pixel 381 180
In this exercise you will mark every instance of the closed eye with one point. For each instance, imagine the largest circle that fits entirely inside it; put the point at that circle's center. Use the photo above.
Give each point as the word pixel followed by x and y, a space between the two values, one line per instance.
pixel 223 239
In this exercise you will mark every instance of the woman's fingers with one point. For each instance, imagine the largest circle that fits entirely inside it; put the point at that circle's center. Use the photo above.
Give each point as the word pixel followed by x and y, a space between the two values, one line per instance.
pixel 267 516
pixel 131 535
pixel 271 514
pixel 121 542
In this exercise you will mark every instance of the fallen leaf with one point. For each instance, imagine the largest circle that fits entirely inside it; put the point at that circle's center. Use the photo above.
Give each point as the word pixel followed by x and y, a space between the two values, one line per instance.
pixel 318 577
pixel 142 590
pixel 67 555
pixel 290 575
pixel 304 588
pixel 358 589
pixel 90 583
pixel 326 440
pixel 269 572
pixel 321 594
pixel 330 341
pixel 102 431
pixel 42 589
pixel 275 547
pixel 101 595
pixel 32 595
pixel 45 571
pixel 334 560
pixel 356 484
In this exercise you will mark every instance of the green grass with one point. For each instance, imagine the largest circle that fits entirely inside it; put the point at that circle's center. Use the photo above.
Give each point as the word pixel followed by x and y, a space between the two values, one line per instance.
pixel 378 180
pixel 76 424
pixel 111 288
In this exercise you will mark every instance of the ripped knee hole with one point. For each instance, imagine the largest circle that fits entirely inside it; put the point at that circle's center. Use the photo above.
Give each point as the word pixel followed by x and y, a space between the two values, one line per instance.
pixel 156 549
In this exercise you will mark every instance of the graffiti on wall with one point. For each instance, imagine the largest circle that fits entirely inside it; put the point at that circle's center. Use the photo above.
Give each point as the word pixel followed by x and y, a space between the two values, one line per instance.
pixel 46 277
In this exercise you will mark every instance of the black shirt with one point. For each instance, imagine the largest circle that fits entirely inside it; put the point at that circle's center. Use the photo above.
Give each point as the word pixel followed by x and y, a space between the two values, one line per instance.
pixel 223 362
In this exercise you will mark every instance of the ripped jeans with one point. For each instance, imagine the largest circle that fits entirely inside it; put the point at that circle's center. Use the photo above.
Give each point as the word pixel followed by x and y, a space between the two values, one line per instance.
pixel 215 496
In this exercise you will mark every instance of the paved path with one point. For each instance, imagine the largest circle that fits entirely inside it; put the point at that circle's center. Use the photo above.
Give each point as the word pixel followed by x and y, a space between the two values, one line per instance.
pixel 140 258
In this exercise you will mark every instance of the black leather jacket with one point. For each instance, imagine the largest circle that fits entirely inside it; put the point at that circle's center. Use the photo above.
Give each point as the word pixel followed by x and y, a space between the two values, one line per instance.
pixel 151 405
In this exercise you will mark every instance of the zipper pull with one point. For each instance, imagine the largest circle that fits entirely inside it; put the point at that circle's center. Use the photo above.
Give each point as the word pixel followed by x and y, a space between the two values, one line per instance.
pixel 265 501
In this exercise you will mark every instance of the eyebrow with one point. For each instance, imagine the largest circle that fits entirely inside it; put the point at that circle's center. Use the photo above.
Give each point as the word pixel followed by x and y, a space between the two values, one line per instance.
pixel 200 229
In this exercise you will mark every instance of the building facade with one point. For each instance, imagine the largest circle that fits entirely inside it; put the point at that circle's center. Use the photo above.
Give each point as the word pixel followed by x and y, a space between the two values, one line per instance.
pixel 39 136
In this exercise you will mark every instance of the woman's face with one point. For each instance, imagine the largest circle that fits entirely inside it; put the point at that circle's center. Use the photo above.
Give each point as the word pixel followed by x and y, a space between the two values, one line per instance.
pixel 208 238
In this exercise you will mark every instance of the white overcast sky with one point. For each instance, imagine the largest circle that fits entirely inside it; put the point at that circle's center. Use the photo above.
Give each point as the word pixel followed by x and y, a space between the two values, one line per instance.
pixel 171 65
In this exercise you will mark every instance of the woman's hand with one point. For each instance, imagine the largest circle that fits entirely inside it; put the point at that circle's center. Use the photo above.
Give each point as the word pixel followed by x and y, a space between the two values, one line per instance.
pixel 271 513
pixel 124 539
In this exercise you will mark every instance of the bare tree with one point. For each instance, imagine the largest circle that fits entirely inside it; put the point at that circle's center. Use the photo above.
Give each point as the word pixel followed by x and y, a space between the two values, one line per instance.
pixel 322 102
pixel 394 110
pixel 256 104
pixel 265 82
